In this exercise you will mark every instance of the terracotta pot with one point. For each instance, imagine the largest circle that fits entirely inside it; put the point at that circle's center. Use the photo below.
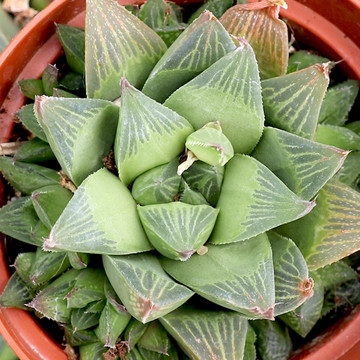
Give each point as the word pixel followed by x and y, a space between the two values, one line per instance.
pixel 335 34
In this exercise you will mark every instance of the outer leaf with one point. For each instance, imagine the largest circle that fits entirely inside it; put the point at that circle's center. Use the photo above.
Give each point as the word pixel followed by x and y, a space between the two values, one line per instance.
pixel 31 88
pixel 22 266
pixel 204 334
pixel 332 230
pixel 79 131
pixel 79 337
pixel 103 222
pixel 177 229
pixel 81 320
pixel 28 118
pixel 253 200
pixel 133 355
pixel 145 289
pixel 50 79
pixel 148 134
pixel 229 91
pixel 302 59
pixel 6 353
pixel 292 102
pixel 338 102
pixel 133 333
pixel 266 33
pixel 34 150
pixel 153 355
pixel 122 44
pixel 354 126
pixel 26 177
pixel 92 351
pixel 8 29
pixel 250 349
pixel 157 185
pixel 273 340
pixel 227 275
pixel 217 7
pixel 292 283
pixel 303 165
pixel 199 46
pixel 155 339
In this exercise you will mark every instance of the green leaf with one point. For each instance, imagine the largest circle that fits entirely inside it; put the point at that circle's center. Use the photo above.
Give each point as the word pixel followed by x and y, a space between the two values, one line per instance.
pixel 31 88
pixel 27 117
pixel 22 265
pixel 157 185
pixel 79 131
pixel 99 221
pixel 18 219
pixel 155 339
pixel 302 59
pixel 273 340
pixel 63 93
pixel 142 285
pixel 292 102
pixel 49 202
pixel 26 177
pixel 338 102
pixel 354 126
pixel 92 351
pixel 338 136
pixel 303 319
pixel 303 165
pixel 229 91
pixel 177 229
pixel 81 320
pixel 16 293
pixel 350 171
pixel 148 134
pixel 75 337
pixel 190 196
pixel 78 260
pixel 133 333
pixel 134 355
pixel 206 179
pixel 207 334
pixel 33 151
pixel 332 230
pixel 46 266
pixel 117 43
pixel 250 349
pixel 72 40
pixel 266 33
pixel 170 33
pixel 50 79
pixel 199 46
pixel 253 200
pixel 217 7
pixel 8 29
pixel 153 355
pixel 72 81
pixel 227 275
pixel 6 353
pixel 292 283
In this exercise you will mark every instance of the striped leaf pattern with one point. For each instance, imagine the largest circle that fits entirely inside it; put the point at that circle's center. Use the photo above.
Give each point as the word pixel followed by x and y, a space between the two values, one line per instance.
pixel 332 230
pixel 236 276
pixel 143 287
pixel 206 334
pixel 265 32
pixel 292 283
pixel 253 200
pixel 303 165
pixel 117 43
pixel 350 171
pixel 292 102
pixel 190 196
pixel 99 222
pixel 177 229
pixel 206 179
pixel 148 134
pixel 155 339
pixel 199 46
pixel 157 185
pixel 80 132
pixel 250 348
pixel 229 92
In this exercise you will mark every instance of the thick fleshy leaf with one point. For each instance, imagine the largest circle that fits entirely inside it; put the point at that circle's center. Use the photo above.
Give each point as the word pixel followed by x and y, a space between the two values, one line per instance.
pixel 18 219
pixel 228 91
pixel 157 185
pixel 148 135
pixel 349 173
pixel 49 202
pixel 100 222
pixel 46 266
pixel 6 353
pixel 33 151
pixel 72 81
pixel 133 333
pixel 81 320
pixel 157 14
pixel 253 200
pixel 206 334
pixel 49 79
pixel 217 7
pixel 206 179
pixel 190 196
pixel 259 23
pixel 302 59
pixel 332 230
pixel 227 275
pixel 78 260
pixel 8 29
pixel 303 165
pixel 75 337
pixel 354 126
pixel 133 355
pixel 27 117
pixel 22 265
pixel 177 229
pixel 250 349
pixel 155 339
pixel 153 355
pixel 27 177
pixel 199 46
pixel 79 131
pixel 72 40
pixel 292 102
pixel 142 285
pixel 92 351
pixel 292 283
pixel 273 340
pixel 31 88
pixel 131 48
pixel 338 136
pixel 303 319
pixel 338 102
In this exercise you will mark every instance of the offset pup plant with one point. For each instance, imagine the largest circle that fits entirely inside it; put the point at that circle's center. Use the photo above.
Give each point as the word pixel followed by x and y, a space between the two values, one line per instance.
pixel 195 195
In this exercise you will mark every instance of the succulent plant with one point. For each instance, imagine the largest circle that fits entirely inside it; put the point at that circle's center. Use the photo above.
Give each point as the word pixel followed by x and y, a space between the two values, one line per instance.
pixel 203 189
